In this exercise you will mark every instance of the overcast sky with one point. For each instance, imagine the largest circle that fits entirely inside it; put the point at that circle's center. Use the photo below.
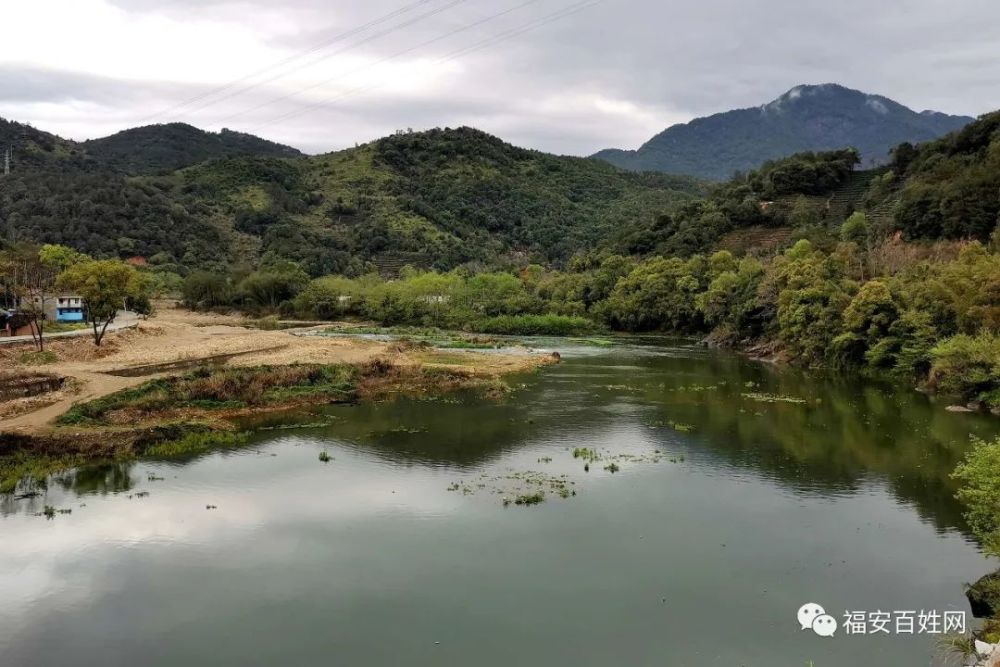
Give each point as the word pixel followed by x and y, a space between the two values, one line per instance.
pixel 325 74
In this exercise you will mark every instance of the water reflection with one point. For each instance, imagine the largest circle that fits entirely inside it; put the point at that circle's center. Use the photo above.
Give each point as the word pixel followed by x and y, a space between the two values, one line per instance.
pixel 792 486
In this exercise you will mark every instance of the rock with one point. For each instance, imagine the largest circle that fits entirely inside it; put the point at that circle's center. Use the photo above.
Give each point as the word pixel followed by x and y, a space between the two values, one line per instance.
pixel 556 356
pixel 984 596
pixel 958 408
pixel 984 650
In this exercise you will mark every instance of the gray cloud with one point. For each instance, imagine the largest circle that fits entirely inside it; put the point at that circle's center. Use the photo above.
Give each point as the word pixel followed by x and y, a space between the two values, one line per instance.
pixel 611 75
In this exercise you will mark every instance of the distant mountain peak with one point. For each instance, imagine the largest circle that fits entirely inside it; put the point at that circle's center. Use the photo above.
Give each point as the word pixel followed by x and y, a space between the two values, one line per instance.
pixel 807 117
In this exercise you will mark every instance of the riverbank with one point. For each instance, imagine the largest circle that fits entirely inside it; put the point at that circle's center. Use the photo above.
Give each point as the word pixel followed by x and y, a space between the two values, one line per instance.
pixel 183 372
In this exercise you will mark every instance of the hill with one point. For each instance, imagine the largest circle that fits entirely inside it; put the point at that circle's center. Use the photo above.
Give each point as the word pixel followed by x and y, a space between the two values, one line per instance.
pixel 440 198
pixel 162 148
pixel 806 118
pixel 948 188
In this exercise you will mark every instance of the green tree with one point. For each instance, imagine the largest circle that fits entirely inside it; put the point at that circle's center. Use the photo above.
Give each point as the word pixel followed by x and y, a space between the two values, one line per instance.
pixel 106 286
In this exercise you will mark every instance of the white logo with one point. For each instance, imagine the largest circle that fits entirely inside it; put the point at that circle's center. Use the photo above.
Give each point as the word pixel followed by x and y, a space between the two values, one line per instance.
pixel 808 613
pixel 812 615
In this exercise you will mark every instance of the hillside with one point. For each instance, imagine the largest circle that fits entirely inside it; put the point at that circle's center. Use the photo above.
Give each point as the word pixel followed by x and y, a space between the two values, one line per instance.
pixel 440 198
pixel 162 148
pixel 806 118
pixel 948 188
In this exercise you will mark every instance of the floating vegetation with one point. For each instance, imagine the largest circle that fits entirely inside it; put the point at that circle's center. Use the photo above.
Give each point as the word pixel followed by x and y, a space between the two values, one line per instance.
pixel 587 454
pixel 772 398
pixel 324 457
pixel 545 459
pixel 612 468
pixel 698 387
pixel 679 427
pixel 154 478
pixel 291 427
pixel 211 507
pixel 530 498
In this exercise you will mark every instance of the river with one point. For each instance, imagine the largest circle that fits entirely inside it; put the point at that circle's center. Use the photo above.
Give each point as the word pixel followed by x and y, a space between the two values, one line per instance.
pixel 721 495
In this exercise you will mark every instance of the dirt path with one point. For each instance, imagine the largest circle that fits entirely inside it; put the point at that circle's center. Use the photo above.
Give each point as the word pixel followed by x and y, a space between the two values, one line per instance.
pixel 175 339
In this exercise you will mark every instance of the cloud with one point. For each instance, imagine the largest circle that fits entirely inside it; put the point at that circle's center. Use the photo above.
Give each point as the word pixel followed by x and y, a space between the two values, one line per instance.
pixel 611 75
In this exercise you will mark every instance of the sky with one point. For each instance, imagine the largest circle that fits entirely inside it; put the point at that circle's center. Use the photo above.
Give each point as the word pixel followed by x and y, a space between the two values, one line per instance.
pixel 565 76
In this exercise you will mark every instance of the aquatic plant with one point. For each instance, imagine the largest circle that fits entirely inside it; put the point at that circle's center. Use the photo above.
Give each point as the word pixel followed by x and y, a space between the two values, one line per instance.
pixel 772 398
pixel 196 443
pixel 324 457
pixel 612 468
pixel 530 498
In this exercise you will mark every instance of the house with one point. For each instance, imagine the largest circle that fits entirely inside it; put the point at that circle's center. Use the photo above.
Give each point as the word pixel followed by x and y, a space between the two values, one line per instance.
pixel 69 309
pixel 62 307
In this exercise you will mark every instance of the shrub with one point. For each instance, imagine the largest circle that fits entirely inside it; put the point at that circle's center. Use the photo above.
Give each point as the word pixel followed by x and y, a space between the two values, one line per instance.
pixel 969 367
pixel 980 491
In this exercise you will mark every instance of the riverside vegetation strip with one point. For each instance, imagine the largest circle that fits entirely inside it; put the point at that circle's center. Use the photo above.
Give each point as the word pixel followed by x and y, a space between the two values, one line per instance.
pixel 190 414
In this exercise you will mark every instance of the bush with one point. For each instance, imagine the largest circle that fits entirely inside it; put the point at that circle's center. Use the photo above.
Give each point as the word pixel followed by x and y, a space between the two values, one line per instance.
pixel 980 491
pixel 969 367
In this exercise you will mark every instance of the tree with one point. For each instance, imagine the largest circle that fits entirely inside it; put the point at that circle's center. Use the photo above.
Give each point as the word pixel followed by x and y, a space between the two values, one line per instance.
pixel 105 286
pixel 855 229
pixel 29 280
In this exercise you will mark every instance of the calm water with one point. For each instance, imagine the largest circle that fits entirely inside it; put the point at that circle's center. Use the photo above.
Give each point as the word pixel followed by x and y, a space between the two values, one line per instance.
pixel 697 555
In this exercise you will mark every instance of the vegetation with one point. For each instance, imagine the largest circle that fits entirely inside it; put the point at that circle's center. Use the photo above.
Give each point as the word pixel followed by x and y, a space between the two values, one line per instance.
pixel 437 199
pixel 980 491
pixel 163 148
pixel 30 277
pixel 106 287
pixel 949 188
pixel 219 389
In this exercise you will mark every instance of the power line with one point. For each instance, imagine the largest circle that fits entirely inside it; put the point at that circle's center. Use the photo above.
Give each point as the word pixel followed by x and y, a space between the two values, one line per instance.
pixel 501 37
pixel 450 33
pixel 313 49
pixel 371 38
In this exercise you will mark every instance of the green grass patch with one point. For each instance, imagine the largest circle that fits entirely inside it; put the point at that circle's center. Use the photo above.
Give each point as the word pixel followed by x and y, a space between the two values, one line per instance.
pixel 221 389
pixel 196 443
pixel 37 358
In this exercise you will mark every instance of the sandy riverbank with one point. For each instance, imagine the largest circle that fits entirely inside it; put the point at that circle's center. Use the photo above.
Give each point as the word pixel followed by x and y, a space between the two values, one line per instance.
pixel 175 338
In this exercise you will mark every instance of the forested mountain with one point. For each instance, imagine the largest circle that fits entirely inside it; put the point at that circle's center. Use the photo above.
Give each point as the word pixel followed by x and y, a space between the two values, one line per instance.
pixel 806 118
pixel 949 188
pixel 161 148
pixel 439 198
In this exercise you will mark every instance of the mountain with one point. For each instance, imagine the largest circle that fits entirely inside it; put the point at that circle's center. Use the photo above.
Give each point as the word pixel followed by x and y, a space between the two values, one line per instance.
pixel 440 198
pixel 159 148
pixel 806 118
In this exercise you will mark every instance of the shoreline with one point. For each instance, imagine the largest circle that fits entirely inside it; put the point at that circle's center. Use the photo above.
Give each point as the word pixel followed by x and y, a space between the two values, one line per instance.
pixel 190 349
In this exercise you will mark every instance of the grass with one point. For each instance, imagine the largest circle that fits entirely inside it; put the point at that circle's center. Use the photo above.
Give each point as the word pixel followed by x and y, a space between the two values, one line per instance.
pixel 196 443
pixel 219 390
pixel 37 358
